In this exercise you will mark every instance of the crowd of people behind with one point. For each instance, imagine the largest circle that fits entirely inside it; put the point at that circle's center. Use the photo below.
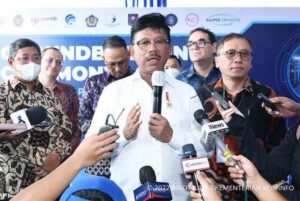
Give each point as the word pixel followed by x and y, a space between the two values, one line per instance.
pixel 51 154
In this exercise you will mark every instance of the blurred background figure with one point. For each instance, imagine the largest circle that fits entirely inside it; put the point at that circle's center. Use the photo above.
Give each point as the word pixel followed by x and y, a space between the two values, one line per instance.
pixel 51 64
pixel 173 66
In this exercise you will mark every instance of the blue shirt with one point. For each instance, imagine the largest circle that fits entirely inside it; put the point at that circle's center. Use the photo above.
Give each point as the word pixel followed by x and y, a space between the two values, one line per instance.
pixel 191 77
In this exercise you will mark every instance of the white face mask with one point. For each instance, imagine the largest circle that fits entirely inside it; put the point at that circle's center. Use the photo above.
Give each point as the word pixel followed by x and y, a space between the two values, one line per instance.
pixel 28 72
pixel 173 72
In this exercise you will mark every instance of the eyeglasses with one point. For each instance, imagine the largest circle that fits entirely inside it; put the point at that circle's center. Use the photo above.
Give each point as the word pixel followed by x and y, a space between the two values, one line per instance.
pixel 232 54
pixel 57 62
pixel 200 43
pixel 27 59
pixel 146 44
pixel 115 64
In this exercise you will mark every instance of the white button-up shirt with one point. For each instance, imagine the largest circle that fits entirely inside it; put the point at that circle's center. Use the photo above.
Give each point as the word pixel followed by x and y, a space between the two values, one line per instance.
pixel 179 102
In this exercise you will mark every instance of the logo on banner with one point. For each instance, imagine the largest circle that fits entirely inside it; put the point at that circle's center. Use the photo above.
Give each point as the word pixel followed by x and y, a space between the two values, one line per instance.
pixel 171 20
pixel 145 3
pixel 18 20
pixel 91 21
pixel 70 19
pixel 223 19
pixel 43 20
pixel 132 18
pixel 112 21
pixel 192 19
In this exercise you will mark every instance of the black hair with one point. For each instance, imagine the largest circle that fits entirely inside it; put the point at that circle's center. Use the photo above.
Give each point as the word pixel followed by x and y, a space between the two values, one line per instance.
pixel 230 36
pixel 152 20
pixel 211 35
pixel 114 42
pixel 93 195
pixel 174 57
pixel 22 43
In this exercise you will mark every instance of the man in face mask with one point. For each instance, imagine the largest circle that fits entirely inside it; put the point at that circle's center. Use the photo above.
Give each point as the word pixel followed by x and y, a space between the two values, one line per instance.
pixel 173 66
pixel 27 156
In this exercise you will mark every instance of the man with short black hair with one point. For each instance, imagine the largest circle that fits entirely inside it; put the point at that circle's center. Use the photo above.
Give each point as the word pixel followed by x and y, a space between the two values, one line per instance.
pixel 202 48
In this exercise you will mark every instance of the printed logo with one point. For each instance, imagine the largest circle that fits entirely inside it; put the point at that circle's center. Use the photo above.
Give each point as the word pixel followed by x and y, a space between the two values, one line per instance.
pixel 192 19
pixel 171 20
pixel 132 18
pixel 91 21
pixel 112 21
pixel 43 20
pixel 70 19
pixel 223 19
pixel 18 20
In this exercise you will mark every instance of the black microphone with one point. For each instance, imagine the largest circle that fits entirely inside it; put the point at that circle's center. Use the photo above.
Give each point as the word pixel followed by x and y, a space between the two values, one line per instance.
pixel 213 132
pixel 30 117
pixel 217 97
pixel 158 81
pixel 191 163
pixel 151 190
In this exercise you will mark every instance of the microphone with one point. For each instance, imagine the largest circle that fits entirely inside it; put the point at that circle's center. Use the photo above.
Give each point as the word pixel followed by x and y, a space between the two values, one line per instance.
pixel 30 117
pixel 213 134
pixel 158 81
pixel 191 163
pixel 150 189
pixel 217 97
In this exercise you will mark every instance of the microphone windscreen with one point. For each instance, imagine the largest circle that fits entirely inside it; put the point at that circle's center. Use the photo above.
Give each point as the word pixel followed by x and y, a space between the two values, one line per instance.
pixel 36 114
pixel 200 115
pixel 147 174
pixel 188 151
pixel 158 78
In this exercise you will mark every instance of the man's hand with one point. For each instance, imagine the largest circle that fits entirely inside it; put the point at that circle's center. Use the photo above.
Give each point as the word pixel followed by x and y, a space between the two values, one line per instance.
pixel 208 189
pixel 285 107
pixel 160 128
pixel 133 122
pixel 51 162
pixel 227 114
pixel 13 131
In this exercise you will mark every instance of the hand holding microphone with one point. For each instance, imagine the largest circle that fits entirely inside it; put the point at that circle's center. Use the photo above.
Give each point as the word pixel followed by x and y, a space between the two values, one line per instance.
pixel 23 121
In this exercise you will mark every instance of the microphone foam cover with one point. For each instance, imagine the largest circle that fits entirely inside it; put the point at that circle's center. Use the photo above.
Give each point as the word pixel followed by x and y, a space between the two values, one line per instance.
pixel 158 78
pixel 147 174
pixel 200 115
pixel 36 114
pixel 189 151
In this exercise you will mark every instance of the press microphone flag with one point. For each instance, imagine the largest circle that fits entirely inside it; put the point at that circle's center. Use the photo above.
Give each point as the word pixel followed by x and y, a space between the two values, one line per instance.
pixel 30 117
pixel 151 189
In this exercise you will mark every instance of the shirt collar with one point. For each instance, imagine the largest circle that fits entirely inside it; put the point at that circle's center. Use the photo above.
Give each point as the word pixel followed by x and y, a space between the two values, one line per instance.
pixel 219 85
pixel 191 71
pixel 168 80
pixel 15 83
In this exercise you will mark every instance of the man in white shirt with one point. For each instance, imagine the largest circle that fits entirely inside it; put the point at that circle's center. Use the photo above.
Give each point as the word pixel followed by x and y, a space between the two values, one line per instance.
pixel 147 138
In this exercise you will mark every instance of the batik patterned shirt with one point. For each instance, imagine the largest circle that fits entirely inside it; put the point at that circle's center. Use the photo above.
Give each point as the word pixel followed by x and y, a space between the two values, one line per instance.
pixel 20 156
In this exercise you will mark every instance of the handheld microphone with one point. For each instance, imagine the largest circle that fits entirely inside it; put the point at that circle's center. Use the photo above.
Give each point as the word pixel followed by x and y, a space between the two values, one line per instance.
pixel 191 163
pixel 109 126
pixel 150 189
pixel 158 81
pixel 213 133
pixel 217 97
pixel 30 117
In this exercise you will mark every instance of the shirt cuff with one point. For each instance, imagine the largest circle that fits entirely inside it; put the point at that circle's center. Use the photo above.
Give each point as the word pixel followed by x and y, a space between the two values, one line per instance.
pixel 175 142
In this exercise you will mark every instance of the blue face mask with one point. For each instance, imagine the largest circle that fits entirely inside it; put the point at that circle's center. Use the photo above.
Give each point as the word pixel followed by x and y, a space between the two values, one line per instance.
pixel 28 72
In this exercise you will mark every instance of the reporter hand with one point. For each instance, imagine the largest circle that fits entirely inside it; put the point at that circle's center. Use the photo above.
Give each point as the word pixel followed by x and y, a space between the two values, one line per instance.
pixel 286 107
pixel 227 114
pixel 13 131
pixel 95 148
pixel 51 162
pixel 208 189
pixel 133 122
pixel 160 128
pixel 248 169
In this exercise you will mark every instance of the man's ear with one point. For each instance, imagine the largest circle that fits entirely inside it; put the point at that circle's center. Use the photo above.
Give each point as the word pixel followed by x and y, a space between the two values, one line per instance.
pixel 131 50
pixel 10 62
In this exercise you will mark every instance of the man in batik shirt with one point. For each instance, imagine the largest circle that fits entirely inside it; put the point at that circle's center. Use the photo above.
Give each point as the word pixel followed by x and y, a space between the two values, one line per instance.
pixel 26 157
